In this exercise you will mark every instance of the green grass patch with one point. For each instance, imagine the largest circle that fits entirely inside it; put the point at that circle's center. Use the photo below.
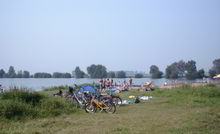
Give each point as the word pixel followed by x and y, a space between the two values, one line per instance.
pixel 56 88
pixel 171 111
pixel 22 95
pixel 18 104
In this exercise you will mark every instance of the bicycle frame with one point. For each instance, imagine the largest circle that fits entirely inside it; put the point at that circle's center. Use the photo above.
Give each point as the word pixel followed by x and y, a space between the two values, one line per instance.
pixel 99 104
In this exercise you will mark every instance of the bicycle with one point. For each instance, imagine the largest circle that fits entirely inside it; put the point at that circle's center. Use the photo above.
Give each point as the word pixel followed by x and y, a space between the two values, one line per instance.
pixel 77 97
pixel 104 104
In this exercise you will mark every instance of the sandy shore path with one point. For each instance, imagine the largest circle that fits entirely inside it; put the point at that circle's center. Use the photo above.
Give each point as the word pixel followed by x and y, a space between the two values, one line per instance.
pixel 196 84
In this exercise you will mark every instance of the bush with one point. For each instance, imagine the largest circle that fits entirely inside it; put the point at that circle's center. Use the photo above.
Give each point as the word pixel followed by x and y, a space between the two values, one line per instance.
pixel 22 103
pixel 54 106
pixel 52 103
pixel 10 109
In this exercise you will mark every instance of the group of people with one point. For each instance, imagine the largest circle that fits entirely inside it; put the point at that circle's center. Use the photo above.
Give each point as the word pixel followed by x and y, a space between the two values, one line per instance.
pixel 106 84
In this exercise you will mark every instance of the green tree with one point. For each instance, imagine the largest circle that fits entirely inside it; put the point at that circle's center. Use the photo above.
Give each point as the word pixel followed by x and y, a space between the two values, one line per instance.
pixel 91 70
pixel 47 75
pixel 111 75
pixel 97 71
pixel 201 73
pixel 42 75
pixel 191 70
pixel 61 75
pixel 215 69
pixel 67 75
pixel 57 75
pixel 2 73
pixel 171 72
pixel 26 74
pixel 138 75
pixel 181 67
pixel 79 73
pixel 19 74
pixel 11 72
pixel 121 74
pixel 155 72
pixel 176 70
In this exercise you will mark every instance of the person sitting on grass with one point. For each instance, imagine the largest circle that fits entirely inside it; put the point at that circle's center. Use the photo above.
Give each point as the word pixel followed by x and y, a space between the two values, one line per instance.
pixel 60 93
pixel 70 92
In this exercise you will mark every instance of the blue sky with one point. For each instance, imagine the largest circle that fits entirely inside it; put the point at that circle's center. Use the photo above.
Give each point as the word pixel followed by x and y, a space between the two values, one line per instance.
pixel 52 35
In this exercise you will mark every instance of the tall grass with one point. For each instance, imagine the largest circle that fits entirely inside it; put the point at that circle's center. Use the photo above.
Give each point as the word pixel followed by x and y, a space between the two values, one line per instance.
pixel 19 104
pixel 191 96
pixel 22 95
pixel 56 88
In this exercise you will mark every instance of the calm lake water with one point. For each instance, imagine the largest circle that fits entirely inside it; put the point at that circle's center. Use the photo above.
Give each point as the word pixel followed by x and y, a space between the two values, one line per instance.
pixel 40 84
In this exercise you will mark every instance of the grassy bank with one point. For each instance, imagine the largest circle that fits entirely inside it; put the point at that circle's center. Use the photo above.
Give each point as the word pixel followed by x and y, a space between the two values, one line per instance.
pixel 21 104
pixel 171 111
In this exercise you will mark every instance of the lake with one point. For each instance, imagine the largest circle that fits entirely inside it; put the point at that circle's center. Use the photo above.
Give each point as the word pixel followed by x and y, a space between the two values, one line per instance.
pixel 40 83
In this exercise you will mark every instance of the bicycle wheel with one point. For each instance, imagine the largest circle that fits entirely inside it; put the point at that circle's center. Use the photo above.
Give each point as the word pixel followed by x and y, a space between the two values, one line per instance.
pixel 90 108
pixel 116 100
pixel 110 108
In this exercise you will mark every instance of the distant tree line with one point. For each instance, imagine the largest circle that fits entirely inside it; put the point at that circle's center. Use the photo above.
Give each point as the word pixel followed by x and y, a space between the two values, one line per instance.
pixel 98 71
pixel 138 75
pixel 42 75
pixel 26 74
pixel 12 74
pixel 180 69
pixel 61 75
pixel 184 69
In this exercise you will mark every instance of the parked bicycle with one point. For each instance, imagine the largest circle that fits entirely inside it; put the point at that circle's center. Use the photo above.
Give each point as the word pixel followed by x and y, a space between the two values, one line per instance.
pixel 78 98
pixel 102 103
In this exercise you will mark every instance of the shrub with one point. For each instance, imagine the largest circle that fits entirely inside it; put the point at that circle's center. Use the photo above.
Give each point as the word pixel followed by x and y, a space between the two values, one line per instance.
pixel 22 103
pixel 56 106
pixel 14 110
pixel 52 103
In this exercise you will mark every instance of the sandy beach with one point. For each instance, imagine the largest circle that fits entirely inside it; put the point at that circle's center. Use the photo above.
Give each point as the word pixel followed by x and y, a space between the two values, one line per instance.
pixel 196 84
